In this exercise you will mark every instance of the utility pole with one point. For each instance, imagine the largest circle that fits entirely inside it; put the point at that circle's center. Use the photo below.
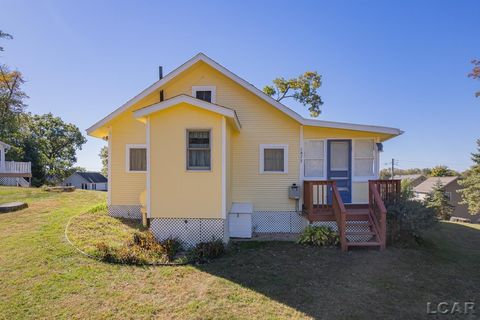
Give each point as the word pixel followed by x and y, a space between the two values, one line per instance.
pixel 393 168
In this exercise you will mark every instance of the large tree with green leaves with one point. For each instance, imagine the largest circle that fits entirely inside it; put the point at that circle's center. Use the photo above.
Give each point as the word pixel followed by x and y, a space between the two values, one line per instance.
pixel 443 171
pixel 438 200
pixel 302 89
pixel 56 143
pixel 471 184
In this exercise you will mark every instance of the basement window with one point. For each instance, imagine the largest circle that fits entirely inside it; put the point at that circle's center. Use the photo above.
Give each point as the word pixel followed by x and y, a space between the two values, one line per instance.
pixel 205 93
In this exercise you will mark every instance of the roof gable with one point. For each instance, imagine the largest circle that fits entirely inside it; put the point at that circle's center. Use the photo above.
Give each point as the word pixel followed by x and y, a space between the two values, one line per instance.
pixel 227 112
pixel 428 185
pixel 248 86
pixel 92 177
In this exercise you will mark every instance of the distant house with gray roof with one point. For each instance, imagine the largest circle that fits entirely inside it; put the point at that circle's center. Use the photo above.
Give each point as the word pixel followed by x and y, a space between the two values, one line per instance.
pixel 415 179
pixel 87 181
pixel 450 186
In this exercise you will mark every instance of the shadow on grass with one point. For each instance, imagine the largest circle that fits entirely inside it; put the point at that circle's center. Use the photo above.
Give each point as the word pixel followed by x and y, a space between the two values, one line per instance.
pixel 361 284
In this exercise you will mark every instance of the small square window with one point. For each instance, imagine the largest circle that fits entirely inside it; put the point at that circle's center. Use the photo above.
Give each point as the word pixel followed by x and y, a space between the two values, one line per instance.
pixel 198 150
pixel 273 158
pixel 136 158
pixel 204 95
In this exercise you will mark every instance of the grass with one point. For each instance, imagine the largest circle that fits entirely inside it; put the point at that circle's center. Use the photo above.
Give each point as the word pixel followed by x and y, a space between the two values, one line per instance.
pixel 41 276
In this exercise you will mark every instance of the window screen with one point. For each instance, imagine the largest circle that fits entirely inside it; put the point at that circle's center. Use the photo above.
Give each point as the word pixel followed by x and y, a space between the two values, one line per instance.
pixel 198 150
pixel 314 155
pixel 273 160
pixel 204 95
pixel 339 156
pixel 364 158
pixel 138 159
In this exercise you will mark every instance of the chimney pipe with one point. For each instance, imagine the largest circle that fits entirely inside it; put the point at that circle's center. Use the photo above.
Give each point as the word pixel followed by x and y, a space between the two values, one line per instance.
pixel 160 73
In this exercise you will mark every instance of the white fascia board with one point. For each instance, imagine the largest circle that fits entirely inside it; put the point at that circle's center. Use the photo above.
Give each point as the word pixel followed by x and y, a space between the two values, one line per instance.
pixel 351 126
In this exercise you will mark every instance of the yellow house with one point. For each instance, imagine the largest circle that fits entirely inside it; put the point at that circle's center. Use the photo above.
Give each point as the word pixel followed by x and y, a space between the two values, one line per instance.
pixel 207 155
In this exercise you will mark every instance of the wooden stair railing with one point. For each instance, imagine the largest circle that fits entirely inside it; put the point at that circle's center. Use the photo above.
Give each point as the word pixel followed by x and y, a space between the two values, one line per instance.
pixel 340 215
pixel 379 192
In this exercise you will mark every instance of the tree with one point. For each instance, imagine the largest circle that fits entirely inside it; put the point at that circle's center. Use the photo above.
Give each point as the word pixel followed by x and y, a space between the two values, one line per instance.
pixel 303 89
pixel 475 73
pixel 438 200
pixel 56 143
pixel 5 36
pixel 104 157
pixel 443 171
pixel 11 101
pixel 471 184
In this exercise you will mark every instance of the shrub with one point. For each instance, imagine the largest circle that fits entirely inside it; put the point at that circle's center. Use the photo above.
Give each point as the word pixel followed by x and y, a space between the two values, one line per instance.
pixel 205 251
pixel 407 220
pixel 318 236
pixel 143 248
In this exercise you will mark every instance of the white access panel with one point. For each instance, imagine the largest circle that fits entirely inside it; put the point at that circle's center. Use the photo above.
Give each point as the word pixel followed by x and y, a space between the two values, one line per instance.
pixel 240 220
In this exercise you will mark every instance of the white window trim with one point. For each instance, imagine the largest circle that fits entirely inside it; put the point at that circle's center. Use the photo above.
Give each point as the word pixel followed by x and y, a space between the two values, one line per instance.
pixel 356 178
pixel 127 157
pixel 285 157
pixel 213 89
pixel 324 177
pixel 210 130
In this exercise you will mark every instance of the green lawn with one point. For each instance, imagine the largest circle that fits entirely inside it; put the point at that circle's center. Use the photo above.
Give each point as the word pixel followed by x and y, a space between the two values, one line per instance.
pixel 41 276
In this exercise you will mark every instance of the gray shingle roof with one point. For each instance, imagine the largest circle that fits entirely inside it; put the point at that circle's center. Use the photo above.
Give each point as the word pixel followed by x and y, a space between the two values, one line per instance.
pixel 428 185
pixel 93 177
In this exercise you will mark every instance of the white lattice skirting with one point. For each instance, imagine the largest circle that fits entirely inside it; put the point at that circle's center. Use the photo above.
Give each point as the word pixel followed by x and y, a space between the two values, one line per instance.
pixel 189 230
pixel 283 222
pixel 125 211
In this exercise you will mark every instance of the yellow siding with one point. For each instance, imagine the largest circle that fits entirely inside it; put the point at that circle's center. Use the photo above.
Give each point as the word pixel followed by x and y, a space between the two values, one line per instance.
pixel 176 192
pixel 359 192
pixel 126 188
pixel 322 133
pixel 261 124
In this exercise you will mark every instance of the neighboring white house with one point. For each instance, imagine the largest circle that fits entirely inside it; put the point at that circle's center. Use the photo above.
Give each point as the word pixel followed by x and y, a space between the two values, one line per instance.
pixel 87 181
pixel 13 173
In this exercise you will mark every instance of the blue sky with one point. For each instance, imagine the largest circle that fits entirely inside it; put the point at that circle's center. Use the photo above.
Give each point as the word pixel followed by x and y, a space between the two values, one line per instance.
pixel 394 63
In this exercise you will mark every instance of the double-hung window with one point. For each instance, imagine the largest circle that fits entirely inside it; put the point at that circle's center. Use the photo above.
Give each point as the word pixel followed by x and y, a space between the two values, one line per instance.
pixel 314 158
pixel 273 158
pixel 364 158
pixel 199 150
pixel 136 158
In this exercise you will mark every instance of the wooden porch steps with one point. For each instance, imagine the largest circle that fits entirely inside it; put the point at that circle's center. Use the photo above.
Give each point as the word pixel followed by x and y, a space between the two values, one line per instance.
pixel 363 244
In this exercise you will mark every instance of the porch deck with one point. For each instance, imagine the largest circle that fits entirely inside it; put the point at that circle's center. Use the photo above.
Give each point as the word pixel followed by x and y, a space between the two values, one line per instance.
pixel 358 224
pixel 14 169
pixel 13 173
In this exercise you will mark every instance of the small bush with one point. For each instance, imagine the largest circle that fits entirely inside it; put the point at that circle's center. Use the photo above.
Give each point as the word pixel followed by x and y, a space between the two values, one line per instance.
pixel 205 251
pixel 407 220
pixel 171 247
pixel 318 236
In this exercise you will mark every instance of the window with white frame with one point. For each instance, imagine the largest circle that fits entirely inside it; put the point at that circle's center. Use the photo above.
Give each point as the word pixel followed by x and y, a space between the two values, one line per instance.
pixel 199 150
pixel 364 158
pixel 273 158
pixel 205 93
pixel 136 158
pixel 314 158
